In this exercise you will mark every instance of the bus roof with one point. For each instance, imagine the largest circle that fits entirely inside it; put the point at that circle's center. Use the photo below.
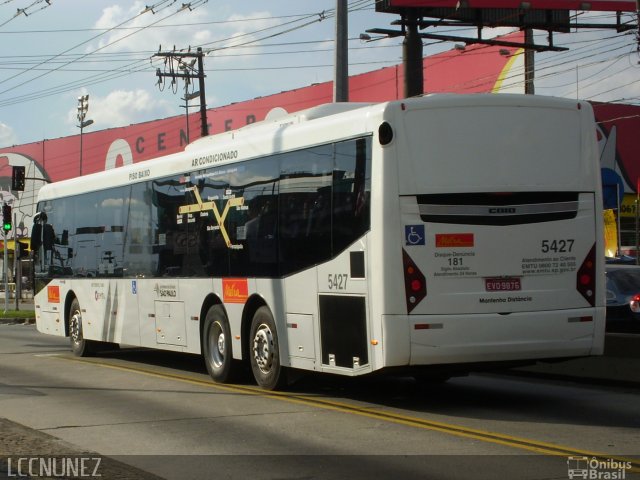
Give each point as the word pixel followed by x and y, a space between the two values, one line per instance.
pixel 258 137
pixel 309 127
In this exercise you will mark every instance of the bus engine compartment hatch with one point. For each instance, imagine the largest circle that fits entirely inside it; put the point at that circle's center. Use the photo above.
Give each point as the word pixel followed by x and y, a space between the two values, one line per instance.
pixel 343 331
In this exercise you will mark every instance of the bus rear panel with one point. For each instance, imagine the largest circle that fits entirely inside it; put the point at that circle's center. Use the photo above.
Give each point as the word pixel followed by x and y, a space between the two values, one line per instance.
pixel 500 233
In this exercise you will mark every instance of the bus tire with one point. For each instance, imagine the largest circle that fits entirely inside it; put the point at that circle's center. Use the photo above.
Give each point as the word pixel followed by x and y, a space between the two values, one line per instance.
pixel 79 346
pixel 264 354
pixel 216 345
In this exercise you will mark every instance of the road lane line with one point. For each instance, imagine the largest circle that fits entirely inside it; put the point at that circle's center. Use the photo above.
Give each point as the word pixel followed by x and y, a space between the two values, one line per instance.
pixel 540 447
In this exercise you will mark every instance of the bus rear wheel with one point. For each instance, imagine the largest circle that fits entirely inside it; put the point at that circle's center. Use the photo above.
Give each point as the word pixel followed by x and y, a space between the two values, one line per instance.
pixel 79 346
pixel 216 345
pixel 264 351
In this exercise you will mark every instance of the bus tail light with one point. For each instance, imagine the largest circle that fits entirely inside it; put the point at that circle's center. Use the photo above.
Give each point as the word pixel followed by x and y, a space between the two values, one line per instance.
pixel 586 277
pixel 415 285
pixel 634 303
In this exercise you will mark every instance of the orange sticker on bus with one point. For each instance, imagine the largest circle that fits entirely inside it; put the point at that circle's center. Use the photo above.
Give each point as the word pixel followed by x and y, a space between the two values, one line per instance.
pixel 235 290
pixel 444 240
pixel 53 294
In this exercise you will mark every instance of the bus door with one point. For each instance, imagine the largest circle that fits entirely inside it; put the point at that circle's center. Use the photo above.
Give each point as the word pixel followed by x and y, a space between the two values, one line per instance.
pixel 106 307
pixel 124 310
pixel 109 295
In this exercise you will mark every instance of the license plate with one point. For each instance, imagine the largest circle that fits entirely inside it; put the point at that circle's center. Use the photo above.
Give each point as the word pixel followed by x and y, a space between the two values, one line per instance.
pixel 502 284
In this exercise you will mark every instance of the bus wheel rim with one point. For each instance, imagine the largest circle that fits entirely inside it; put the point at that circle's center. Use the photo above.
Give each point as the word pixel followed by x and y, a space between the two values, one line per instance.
pixel 217 345
pixel 263 348
pixel 76 328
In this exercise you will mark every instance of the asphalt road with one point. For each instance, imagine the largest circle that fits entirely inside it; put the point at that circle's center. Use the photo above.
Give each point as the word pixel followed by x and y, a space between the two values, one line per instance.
pixel 153 414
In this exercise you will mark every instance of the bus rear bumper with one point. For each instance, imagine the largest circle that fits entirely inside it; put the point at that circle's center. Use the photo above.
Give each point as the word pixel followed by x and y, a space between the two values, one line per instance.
pixel 448 339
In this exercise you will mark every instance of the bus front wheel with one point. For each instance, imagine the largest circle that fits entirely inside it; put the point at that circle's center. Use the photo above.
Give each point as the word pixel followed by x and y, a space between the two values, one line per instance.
pixel 264 353
pixel 216 345
pixel 79 346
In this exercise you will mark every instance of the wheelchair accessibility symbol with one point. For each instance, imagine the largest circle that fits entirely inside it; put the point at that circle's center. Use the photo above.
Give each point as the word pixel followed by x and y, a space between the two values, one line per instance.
pixel 414 234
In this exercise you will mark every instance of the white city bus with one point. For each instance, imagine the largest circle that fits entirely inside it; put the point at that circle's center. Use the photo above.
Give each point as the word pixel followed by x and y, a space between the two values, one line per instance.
pixel 438 235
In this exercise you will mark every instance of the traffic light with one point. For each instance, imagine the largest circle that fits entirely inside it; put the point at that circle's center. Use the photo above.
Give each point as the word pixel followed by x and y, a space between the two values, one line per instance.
pixel 21 250
pixel 17 178
pixel 6 217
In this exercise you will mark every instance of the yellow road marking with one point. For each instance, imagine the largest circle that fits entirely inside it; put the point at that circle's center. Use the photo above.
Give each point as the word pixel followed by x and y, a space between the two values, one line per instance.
pixel 415 422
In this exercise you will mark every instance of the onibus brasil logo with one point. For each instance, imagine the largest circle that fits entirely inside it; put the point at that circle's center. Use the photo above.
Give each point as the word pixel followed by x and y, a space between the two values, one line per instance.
pixel 204 207
pixel 597 468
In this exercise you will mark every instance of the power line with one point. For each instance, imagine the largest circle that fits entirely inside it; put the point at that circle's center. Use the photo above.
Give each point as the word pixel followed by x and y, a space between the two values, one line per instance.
pixel 132 67
pixel 139 56
pixel 550 67
pixel 27 11
pixel 129 68
pixel 171 25
pixel 70 49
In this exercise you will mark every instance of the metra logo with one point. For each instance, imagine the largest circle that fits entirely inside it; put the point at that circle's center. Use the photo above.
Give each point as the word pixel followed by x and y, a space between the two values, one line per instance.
pixel 164 291
pixel 444 240
pixel 235 290
pixel 99 295
pixel 53 294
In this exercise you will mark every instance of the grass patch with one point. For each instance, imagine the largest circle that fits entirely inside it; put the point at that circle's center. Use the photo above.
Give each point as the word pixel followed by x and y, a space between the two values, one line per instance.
pixel 26 313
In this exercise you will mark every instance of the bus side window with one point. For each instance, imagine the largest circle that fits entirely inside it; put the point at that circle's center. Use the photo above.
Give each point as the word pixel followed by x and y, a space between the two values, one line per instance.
pixel 254 230
pixel 305 208
pixel 351 191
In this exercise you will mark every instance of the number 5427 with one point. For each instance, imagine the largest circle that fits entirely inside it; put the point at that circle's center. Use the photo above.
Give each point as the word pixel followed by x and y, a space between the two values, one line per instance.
pixel 564 245
pixel 337 281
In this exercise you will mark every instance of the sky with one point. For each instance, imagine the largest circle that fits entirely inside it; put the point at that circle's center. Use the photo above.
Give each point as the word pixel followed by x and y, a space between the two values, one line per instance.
pixel 53 51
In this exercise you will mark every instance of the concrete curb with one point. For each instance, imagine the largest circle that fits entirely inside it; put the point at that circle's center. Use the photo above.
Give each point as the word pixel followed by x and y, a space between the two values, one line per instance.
pixel 17 321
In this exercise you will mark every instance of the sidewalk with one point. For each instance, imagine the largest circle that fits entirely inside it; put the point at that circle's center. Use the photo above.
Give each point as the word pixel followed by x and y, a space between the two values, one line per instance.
pixel 20 442
pixel 23 305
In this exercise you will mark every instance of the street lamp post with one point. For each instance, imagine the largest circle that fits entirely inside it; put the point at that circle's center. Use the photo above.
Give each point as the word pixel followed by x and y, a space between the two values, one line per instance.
pixel 83 107
pixel 187 97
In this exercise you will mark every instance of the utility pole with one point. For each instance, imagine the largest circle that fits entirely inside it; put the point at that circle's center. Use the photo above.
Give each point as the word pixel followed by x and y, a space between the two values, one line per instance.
pixel 83 108
pixel 187 98
pixel 6 228
pixel 529 62
pixel 17 265
pixel 341 75
pixel 188 72
pixel 412 56
pixel 5 271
